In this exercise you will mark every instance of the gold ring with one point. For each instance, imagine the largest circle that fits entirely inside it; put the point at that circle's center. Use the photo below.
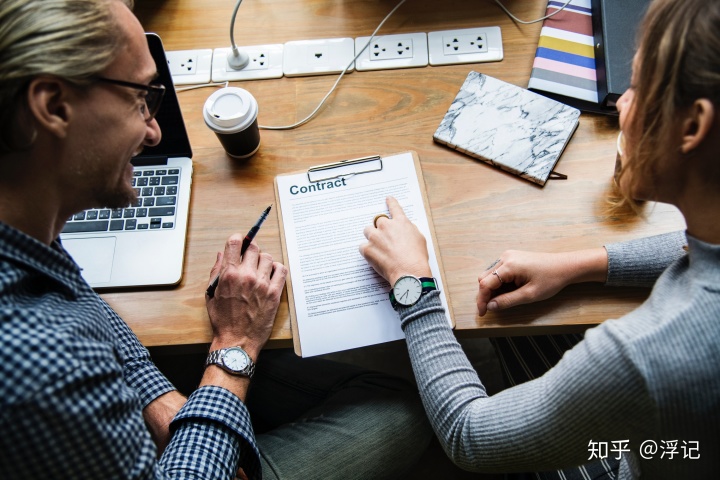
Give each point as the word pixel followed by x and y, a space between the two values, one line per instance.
pixel 494 272
pixel 379 216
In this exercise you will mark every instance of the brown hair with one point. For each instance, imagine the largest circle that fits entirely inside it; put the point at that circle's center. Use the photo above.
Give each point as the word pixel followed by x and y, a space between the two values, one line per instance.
pixel 679 62
pixel 69 39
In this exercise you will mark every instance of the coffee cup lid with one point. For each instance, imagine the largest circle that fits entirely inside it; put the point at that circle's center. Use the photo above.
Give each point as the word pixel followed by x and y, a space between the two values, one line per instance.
pixel 230 109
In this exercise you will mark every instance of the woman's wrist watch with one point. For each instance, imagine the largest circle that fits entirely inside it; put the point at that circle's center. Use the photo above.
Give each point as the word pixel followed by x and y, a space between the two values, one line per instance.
pixel 234 360
pixel 408 289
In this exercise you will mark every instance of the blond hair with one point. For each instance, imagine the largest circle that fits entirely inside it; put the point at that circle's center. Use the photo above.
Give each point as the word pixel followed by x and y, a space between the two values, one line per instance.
pixel 679 63
pixel 69 39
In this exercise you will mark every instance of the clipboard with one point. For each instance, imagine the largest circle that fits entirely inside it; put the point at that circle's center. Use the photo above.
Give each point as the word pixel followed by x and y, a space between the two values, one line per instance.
pixel 333 172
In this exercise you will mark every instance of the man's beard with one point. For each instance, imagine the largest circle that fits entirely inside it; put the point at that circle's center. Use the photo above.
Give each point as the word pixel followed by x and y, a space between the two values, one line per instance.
pixel 96 173
pixel 121 196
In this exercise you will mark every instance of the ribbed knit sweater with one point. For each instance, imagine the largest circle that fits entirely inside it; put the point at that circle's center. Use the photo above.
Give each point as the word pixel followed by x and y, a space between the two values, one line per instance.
pixel 650 376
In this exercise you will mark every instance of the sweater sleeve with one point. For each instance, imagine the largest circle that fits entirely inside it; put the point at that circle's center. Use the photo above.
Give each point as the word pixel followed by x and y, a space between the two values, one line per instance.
pixel 594 393
pixel 638 263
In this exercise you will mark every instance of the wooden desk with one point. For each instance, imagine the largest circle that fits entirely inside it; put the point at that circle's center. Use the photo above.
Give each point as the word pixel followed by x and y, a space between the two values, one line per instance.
pixel 479 211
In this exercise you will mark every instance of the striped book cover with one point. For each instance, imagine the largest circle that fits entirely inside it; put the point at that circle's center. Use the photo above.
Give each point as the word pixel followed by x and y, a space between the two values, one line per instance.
pixel 565 58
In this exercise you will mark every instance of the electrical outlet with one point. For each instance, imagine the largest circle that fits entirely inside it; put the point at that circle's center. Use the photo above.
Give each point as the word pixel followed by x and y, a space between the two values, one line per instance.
pixel 392 51
pixel 470 45
pixel 266 61
pixel 189 66
pixel 463 44
pixel 184 64
pixel 318 57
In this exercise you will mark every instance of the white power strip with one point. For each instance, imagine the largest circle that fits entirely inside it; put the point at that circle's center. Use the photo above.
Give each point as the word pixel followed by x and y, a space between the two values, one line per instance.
pixel 329 56
pixel 318 57
pixel 392 51
pixel 266 61
pixel 189 66
pixel 469 45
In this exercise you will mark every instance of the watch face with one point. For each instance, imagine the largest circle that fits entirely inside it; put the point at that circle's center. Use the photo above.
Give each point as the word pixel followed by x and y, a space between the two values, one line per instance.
pixel 407 290
pixel 236 359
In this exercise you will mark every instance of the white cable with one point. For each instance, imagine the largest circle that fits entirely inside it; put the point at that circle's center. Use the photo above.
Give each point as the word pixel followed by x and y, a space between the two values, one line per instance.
pixel 232 27
pixel 314 112
pixel 202 85
pixel 531 21
pixel 236 59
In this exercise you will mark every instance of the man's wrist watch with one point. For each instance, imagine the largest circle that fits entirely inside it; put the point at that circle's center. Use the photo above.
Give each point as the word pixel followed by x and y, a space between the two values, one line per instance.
pixel 233 360
pixel 408 289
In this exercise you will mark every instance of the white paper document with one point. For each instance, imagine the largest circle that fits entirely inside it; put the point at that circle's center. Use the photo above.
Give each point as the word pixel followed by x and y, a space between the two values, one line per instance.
pixel 340 302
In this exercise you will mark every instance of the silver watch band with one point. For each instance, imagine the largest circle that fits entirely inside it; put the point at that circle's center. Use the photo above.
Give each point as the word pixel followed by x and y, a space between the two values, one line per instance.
pixel 214 358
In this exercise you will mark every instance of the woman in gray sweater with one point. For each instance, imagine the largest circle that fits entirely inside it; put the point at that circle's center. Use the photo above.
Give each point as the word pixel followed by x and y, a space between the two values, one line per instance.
pixel 644 388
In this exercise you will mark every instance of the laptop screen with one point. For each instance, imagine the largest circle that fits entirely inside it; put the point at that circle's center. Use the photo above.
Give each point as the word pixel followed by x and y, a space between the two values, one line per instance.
pixel 175 142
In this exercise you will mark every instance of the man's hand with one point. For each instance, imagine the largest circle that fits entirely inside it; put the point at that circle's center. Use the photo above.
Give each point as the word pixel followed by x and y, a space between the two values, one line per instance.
pixel 159 413
pixel 246 300
pixel 396 247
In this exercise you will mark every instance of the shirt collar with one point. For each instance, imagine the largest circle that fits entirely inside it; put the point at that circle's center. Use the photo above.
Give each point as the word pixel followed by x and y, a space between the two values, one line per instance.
pixel 51 261
pixel 704 259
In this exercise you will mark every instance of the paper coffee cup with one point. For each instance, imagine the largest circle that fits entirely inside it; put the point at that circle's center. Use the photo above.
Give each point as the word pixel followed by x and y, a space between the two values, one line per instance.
pixel 231 113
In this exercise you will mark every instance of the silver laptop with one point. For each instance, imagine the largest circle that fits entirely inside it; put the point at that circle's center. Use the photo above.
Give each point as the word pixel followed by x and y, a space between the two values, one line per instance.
pixel 143 244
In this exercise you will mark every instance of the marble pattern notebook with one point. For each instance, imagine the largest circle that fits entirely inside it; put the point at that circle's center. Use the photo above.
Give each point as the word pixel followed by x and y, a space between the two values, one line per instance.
pixel 510 127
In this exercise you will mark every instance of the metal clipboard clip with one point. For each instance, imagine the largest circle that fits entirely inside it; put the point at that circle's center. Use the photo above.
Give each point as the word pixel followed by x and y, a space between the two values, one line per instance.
pixel 345 168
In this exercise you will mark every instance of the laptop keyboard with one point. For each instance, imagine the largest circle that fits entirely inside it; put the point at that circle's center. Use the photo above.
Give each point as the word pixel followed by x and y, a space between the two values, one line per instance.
pixel 154 209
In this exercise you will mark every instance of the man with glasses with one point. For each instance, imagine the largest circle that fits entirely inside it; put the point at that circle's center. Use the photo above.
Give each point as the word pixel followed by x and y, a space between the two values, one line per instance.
pixel 79 395
pixel 154 93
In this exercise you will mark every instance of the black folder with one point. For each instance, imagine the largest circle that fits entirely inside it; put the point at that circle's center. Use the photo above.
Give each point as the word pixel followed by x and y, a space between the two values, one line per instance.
pixel 615 28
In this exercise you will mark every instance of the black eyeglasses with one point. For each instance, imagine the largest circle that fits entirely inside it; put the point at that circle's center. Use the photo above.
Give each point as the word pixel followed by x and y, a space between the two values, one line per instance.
pixel 153 99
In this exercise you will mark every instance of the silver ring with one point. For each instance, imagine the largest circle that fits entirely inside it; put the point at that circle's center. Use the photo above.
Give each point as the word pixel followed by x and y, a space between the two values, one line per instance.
pixel 494 272
pixel 379 216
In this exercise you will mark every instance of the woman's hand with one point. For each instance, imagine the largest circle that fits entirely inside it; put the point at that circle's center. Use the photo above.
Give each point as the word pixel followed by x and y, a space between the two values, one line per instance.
pixel 396 247
pixel 537 276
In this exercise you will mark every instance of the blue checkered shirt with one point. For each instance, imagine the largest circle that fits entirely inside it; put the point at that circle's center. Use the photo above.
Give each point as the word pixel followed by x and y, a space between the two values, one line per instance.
pixel 74 380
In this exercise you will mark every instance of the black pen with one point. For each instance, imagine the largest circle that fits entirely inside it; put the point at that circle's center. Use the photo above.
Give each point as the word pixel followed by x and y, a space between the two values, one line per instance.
pixel 246 243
